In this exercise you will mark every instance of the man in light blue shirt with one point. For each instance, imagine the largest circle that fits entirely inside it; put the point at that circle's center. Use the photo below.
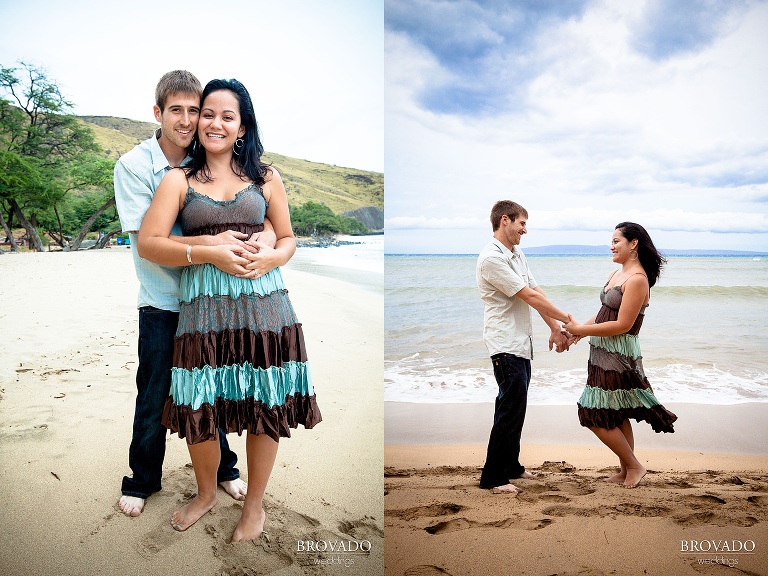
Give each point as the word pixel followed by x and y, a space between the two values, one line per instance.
pixel 509 293
pixel 137 175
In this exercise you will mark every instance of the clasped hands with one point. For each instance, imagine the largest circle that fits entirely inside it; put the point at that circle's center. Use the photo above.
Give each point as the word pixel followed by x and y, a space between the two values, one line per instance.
pixel 246 257
pixel 563 340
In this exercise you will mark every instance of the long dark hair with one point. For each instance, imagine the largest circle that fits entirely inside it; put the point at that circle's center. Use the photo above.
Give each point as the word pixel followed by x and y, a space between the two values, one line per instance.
pixel 650 258
pixel 247 164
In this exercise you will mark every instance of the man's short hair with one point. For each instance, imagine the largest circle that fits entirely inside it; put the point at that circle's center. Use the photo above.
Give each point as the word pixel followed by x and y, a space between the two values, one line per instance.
pixel 511 209
pixel 176 82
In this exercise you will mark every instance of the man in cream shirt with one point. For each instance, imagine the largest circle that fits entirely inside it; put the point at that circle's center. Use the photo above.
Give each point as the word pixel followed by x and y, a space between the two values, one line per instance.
pixel 509 293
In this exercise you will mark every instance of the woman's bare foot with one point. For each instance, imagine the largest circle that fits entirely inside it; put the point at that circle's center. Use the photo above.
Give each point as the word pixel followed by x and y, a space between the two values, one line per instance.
pixel 250 527
pixel 131 505
pixel 527 475
pixel 235 488
pixel 618 478
pixel 191 513
pixel 634 475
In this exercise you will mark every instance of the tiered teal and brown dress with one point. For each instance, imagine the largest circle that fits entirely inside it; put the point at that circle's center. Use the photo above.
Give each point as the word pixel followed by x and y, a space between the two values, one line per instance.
pixel 617 388
pixel 239 357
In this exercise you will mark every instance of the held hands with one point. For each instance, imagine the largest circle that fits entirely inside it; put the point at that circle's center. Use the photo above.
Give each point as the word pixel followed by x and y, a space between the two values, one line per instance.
pixel 559 339
pixel 261 259
pixel 565 338
pixel 572 329
pixel 249 258
pixel 267 236
pixel 228 258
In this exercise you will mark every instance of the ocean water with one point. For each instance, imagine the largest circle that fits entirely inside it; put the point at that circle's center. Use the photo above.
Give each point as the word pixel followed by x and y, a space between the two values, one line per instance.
pixel 360 263
pixel 704 338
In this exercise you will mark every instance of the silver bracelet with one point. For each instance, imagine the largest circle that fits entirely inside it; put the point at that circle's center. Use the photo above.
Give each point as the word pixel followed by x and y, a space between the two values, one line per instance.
pixel 189 253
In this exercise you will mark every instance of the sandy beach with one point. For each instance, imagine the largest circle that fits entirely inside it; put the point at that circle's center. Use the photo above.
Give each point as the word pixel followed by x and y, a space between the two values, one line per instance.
pixel 701 509
pixel 67 391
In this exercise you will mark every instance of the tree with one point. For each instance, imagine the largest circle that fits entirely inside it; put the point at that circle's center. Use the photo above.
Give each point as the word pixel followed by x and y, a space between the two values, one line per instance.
pixel 35 124
pixel 85 202
pixel 313 219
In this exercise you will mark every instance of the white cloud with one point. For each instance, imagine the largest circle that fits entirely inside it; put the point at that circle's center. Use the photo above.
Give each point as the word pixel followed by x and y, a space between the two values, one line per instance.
pixel 604 130
pixel 424 223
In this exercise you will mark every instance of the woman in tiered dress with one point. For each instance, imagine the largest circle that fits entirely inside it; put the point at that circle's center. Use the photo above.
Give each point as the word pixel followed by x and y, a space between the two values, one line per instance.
pixel 239 357
pixel 617 388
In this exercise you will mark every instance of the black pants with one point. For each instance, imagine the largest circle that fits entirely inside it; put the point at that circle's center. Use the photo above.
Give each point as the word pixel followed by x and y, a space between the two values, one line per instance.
pixel 502 463
pixel 153 383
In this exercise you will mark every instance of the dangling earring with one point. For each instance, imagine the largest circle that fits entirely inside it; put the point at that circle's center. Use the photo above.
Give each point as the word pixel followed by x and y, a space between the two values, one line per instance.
pixel 237 147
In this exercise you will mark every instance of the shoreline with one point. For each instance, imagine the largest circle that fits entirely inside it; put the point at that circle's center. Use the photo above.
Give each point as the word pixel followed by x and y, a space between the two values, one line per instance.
pixel 736 428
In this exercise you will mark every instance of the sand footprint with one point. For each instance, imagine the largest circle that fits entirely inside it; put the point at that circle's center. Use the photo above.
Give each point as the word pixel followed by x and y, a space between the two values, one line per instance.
pixel 426 570
pixel 156 541
pixel 702 500
pixel 538 524
pixel 451 526
pixel 251 558
pixel 465 524
pixel 443 509
pixel 361 529
pixel 554 498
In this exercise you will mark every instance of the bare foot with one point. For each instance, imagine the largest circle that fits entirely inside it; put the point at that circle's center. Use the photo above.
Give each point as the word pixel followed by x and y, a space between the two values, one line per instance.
pixel 527 475
pixel 510 489
pixel 250 527
pixel 191 513
pixel 235 488
pixel 131 505
pixel 633 477
pixel 618 478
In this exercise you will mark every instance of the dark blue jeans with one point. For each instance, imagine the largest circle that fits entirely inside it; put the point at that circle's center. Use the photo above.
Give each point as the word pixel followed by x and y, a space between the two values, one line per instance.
pixel 153 382
pixel 502 463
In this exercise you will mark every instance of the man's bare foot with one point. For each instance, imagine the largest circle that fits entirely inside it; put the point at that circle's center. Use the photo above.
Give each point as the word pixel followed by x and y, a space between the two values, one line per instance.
pixel 527 475
pixel 191 513
pixel 131 505
pixel 250 527
pixel 633 477
pixel 510 489
pixel 235 488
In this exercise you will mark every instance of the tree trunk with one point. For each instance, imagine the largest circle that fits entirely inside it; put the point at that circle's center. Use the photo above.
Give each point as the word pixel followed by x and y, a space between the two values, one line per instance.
pixel 34 238
pixel 87 226
pixel 106 238
pixel 9 234
pixel 57 236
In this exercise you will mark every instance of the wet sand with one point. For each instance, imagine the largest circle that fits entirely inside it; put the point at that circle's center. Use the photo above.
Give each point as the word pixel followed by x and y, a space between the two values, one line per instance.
pixel 706 483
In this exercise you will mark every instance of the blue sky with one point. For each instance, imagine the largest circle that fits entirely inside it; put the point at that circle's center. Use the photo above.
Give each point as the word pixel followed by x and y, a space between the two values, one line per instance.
pixel 588 113
pixel 314 69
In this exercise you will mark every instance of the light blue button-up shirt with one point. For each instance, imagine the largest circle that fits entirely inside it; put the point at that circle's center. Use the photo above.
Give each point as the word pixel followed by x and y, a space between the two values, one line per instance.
pixel 137 175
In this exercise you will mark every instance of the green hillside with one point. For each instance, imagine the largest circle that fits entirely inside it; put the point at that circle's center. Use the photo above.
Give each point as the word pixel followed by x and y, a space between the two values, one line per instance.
pixel 118 135
pixel 341 189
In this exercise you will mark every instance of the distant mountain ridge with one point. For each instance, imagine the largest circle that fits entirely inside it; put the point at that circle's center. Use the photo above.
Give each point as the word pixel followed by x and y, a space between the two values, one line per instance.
pixel 358 193
pixel 578 250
